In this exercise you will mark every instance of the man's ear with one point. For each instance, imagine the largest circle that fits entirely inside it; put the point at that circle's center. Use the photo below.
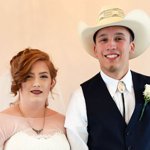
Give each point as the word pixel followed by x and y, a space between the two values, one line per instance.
pixel 95 50
pixel 132 48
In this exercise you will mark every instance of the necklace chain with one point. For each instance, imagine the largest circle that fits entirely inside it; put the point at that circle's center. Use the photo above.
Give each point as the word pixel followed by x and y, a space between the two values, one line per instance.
pixel 35 130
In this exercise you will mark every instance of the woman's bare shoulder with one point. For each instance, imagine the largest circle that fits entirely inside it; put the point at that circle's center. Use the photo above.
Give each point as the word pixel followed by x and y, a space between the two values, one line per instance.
pixel 51 112
pixel 12 110
pixel 57 119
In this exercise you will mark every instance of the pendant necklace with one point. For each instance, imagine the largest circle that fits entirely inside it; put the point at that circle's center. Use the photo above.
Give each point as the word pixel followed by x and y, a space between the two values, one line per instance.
pixel 35 130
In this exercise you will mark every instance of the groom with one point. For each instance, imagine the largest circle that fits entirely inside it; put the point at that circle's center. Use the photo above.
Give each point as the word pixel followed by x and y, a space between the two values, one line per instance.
pixel 100 115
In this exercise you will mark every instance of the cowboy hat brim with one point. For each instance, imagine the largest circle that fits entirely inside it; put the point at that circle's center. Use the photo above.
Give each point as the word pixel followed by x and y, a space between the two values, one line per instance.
pixel 137 20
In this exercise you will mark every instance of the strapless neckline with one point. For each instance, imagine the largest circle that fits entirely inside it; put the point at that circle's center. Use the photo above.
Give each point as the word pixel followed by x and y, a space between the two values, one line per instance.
pixel 24 141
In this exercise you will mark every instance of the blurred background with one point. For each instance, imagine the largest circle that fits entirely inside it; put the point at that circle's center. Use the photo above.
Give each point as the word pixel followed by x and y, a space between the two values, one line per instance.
pixel 51 26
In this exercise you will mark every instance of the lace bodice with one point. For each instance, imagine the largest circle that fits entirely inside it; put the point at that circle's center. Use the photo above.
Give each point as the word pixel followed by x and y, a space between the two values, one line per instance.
pixel 23 141
pixel 17 134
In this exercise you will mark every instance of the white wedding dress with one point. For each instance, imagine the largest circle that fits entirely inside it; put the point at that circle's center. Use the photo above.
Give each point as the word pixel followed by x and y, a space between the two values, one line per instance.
pixel 23 141
pixel 16 134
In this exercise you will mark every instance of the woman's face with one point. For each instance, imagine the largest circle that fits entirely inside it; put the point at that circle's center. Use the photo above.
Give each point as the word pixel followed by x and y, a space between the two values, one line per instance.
pixel 37 84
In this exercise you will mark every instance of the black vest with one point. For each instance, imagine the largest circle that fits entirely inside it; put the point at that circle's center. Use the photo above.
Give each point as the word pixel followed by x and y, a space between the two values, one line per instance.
pixel 106 126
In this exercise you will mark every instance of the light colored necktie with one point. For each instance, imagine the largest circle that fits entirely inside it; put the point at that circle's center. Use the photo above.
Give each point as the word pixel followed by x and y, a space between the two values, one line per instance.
pixel 121 88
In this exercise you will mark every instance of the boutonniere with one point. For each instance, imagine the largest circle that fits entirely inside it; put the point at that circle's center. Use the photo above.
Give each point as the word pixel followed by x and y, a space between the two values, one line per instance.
pixel 146 94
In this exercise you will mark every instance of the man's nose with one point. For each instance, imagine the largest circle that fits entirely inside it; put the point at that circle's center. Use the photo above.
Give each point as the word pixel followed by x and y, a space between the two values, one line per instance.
pixel 111 45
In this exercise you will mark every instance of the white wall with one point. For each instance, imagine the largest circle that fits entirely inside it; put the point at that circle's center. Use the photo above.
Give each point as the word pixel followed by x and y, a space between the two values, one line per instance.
pixel 51 25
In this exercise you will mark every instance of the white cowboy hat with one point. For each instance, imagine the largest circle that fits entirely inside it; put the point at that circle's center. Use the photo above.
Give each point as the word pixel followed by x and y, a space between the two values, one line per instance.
pixel 137 20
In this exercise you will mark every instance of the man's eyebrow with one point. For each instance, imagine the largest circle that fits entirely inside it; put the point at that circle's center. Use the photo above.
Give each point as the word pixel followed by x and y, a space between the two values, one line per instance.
pixel 101 35
pixel 119 33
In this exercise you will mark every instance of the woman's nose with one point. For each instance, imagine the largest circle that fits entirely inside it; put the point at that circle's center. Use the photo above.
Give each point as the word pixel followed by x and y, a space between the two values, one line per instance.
pixel 36 83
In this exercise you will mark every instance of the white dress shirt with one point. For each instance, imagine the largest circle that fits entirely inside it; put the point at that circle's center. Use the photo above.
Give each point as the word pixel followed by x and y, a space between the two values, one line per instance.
pixel 76 117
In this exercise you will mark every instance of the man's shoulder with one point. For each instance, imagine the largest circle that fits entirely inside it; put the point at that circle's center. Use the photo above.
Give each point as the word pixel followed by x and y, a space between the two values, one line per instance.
pixel 140 79
pixel 95 77
pixel 140 75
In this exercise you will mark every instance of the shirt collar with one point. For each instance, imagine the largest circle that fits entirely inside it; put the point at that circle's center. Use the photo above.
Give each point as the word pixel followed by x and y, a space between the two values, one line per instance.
pixel 112 83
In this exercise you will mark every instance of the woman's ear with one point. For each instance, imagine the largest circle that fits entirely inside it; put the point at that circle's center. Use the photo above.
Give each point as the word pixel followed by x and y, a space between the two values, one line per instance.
pixel 52 84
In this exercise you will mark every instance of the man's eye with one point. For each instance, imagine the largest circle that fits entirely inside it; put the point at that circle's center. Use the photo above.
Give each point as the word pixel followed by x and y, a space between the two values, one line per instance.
pixel 118 39
pixel 103 40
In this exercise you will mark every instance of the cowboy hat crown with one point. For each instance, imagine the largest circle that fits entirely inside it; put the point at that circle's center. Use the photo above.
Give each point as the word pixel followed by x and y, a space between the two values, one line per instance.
pixel 137 21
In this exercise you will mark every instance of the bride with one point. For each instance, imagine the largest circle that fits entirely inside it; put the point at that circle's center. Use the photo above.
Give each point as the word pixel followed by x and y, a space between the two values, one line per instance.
pixel 28 123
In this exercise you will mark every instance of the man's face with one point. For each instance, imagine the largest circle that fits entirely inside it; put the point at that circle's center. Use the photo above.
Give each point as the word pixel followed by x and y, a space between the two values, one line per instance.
pixel 112 47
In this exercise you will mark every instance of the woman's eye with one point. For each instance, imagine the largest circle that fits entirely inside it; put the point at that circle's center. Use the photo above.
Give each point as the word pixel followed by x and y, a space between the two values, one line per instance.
pixel 44 76
pixel 28 77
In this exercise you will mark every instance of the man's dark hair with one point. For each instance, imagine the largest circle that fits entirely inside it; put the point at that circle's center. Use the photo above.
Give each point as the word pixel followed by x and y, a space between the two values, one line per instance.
pixel 130 31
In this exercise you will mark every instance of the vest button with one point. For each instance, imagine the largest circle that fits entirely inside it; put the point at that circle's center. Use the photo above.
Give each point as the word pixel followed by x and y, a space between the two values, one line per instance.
pixel 127 133
pixel 130 147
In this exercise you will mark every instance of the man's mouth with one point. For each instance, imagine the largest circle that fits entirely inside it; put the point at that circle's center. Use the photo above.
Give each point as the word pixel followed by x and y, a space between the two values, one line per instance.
pixel 111 56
